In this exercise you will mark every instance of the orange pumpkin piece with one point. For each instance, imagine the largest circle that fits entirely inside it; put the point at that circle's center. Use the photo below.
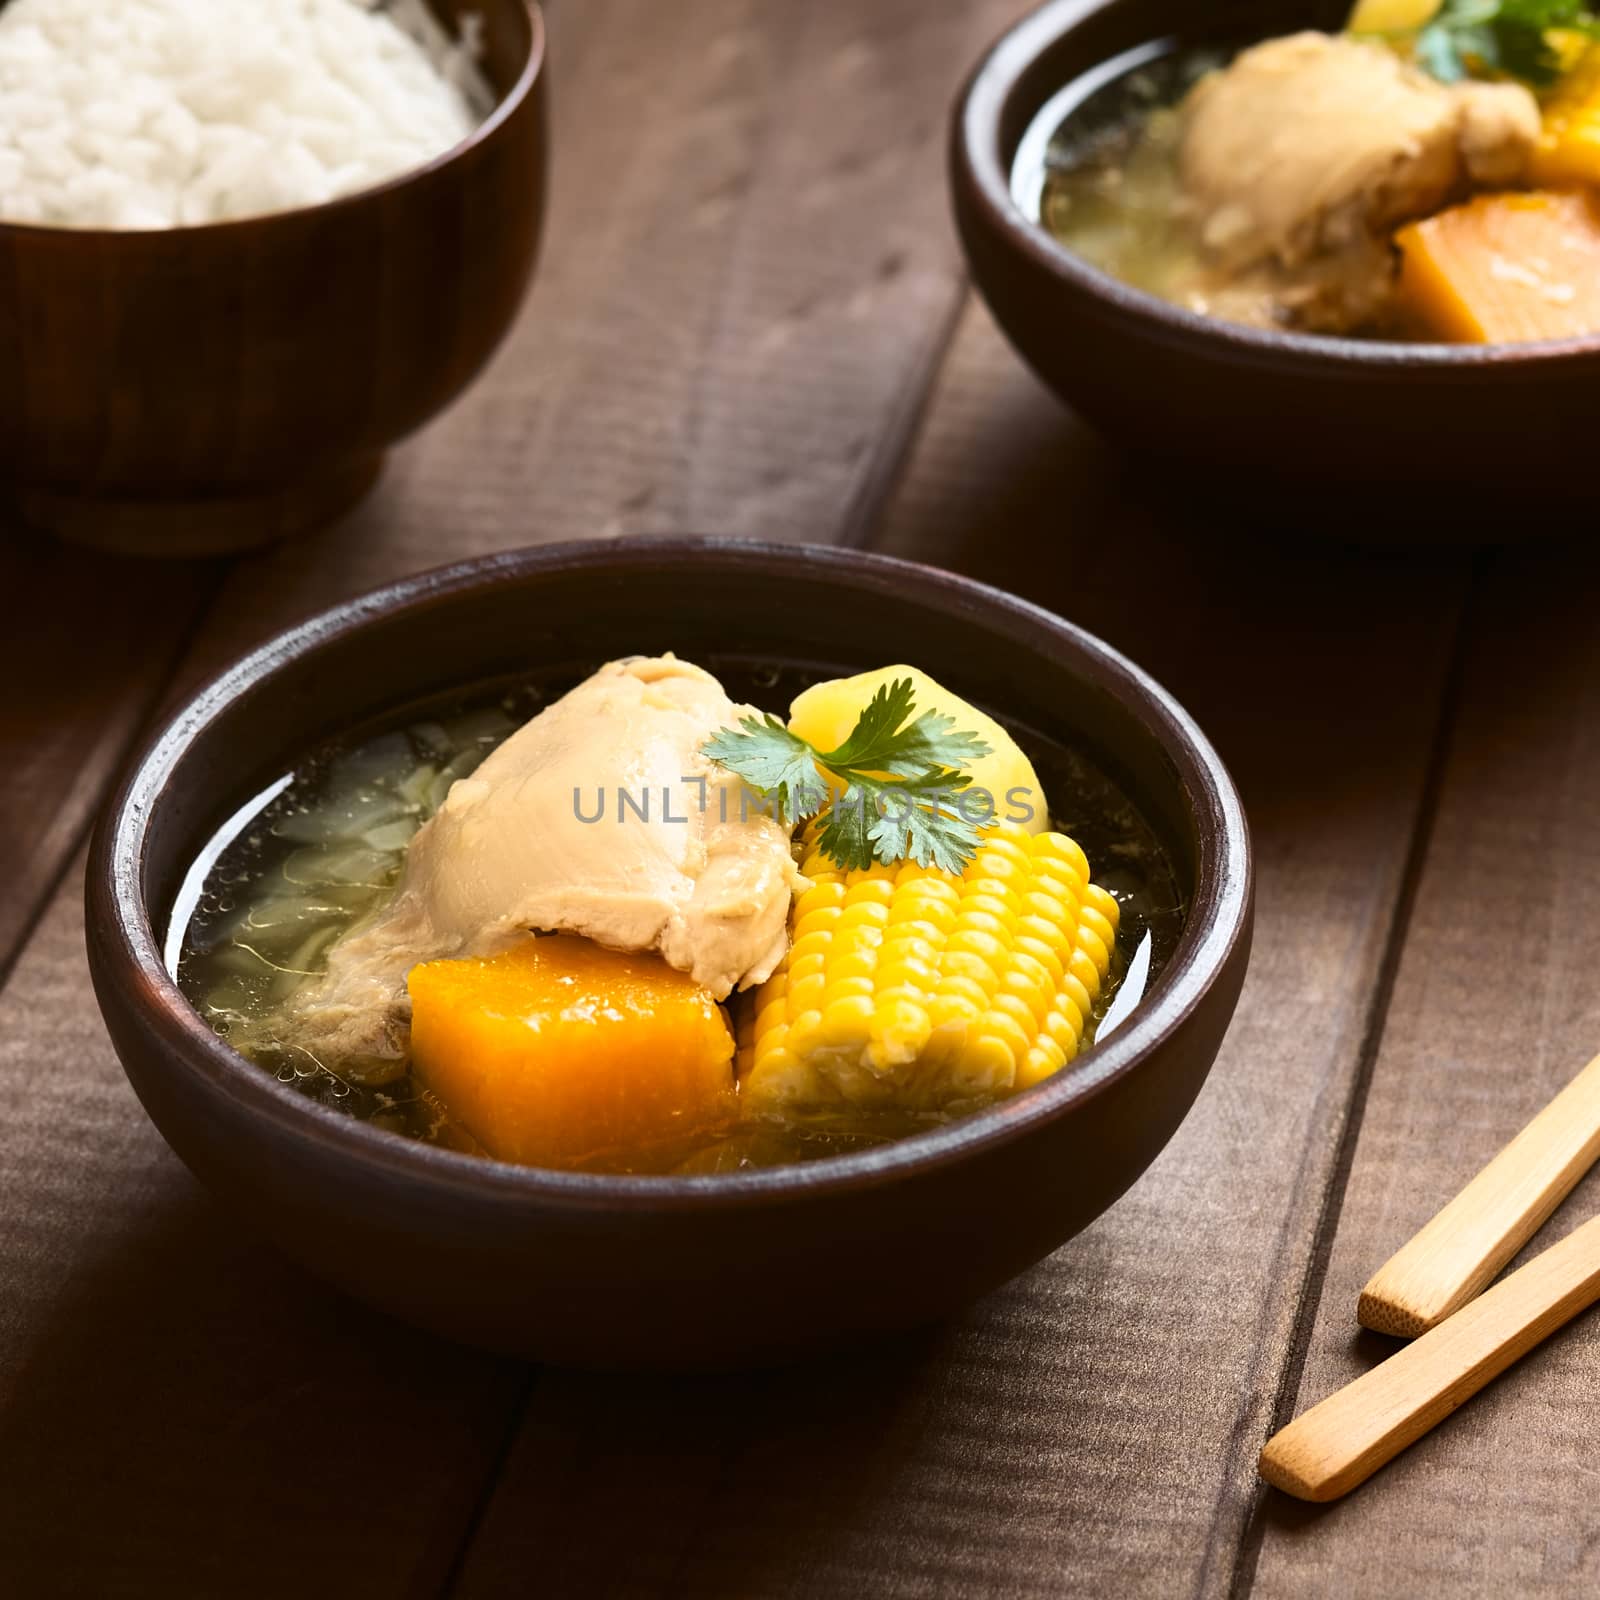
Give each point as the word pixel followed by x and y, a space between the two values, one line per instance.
pixel 1505 268
pixel 558 1053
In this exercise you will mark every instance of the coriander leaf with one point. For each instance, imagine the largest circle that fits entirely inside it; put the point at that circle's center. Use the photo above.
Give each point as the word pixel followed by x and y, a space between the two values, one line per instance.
pixel 889 822
pixel 934 784
pixel 1539 13
pixel 774 762
pixel 897 781
pixel 846 830
pixel 933 835
pixel 1525 53
pixel 924 744
pixel 878 742
pixel 1500 36
pixel 874 733
pixel 1438 55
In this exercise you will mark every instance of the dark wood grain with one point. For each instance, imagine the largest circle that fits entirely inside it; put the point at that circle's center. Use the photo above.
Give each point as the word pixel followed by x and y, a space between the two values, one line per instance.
pixel 1495 1007
pixel 87 645
pixel 748 280
pixel 200 389
pixel 1092 1429
pixel 180 1412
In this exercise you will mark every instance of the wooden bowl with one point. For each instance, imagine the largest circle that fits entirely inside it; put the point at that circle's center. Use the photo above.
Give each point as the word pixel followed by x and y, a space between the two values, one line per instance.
pixel 210 388
pixel 1479 424
pixel 687 1270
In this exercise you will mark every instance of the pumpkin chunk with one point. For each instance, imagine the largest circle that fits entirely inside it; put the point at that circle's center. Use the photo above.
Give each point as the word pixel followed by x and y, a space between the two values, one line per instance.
pixel 1505 268
pixel 1569 146
pixel 559 1053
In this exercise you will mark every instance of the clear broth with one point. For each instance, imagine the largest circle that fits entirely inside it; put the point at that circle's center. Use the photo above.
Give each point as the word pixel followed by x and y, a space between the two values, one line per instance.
pixel 1108 186
pixel 329 844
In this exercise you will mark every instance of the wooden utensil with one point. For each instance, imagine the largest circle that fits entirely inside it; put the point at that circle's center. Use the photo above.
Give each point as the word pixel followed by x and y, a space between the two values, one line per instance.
pixel 1468 1242
pixel 1340 1443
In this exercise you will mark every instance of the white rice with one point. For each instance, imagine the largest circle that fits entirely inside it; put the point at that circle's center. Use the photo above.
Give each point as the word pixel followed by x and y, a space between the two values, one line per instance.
pixel 166 113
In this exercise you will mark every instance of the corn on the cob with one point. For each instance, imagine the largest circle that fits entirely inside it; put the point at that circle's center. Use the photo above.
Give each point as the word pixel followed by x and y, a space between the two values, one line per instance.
pixel 907 986
pixel 1569 145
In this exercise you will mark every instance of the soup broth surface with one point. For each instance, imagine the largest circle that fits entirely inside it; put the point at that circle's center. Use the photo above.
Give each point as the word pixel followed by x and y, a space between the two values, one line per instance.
pixel 328 845
pixel 1108 186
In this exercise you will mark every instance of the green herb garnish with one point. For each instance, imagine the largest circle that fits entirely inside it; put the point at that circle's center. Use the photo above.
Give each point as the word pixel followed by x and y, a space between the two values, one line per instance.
pixel 901 778
pixel 1468 37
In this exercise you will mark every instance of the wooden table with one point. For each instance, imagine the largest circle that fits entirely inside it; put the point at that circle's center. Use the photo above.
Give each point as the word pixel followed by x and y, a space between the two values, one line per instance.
pixel 751 319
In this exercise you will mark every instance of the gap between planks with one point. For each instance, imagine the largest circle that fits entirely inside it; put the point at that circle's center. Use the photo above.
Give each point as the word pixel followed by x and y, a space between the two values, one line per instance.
pixel 1287 1395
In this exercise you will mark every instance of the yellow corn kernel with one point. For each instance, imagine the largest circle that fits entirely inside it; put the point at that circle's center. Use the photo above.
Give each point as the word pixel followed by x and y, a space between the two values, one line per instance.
pixel 909 970
pixel 1073 993
pixel 1093 946
pixel 1058 847
pixel 773 1013
pixel 1044 1058
pixel 951 1012
pixel 849 984
pixel 998 1024
pixel 912 987
pixel 806 995
pixel 1096 921
pixel 870 891
pixel 807 947
pixel 1569 144
pixel 975 941
pixel 972 984
pixel 1082 967
pixel 821 921
pixel 1037 950
pixel 1023 1016
pixel 817 898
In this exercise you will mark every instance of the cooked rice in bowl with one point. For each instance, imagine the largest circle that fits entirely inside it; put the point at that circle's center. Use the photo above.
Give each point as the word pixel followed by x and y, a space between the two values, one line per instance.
pixel 147 114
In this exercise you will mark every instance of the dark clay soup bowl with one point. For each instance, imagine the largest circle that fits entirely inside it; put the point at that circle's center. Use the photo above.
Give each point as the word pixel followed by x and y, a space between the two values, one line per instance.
pixel 1407 441
pixel 750 1266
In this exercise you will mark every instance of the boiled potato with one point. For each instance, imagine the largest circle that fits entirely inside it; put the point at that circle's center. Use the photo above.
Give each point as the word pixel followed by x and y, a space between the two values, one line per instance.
pixel 827 712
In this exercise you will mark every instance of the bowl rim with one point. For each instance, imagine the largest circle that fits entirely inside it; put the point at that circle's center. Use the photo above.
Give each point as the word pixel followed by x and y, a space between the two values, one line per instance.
pixel 505 107
pixel 978 167
pixel 123 935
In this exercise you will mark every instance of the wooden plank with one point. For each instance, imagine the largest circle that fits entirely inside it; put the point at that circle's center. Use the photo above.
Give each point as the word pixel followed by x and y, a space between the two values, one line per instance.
pixel 712 346
pixel 88 644
pixel 748 279
pixel 181 1413
pixel 1494 1008
pixel 1092 1429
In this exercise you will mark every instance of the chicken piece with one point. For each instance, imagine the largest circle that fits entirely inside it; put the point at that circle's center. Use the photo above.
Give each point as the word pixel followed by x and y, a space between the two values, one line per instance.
pixel 1310 148
pixel 600 817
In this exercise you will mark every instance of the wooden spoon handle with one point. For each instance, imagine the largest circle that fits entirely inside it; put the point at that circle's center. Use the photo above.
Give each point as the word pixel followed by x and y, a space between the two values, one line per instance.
pixel 1467 1244
pixel 1344 1440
